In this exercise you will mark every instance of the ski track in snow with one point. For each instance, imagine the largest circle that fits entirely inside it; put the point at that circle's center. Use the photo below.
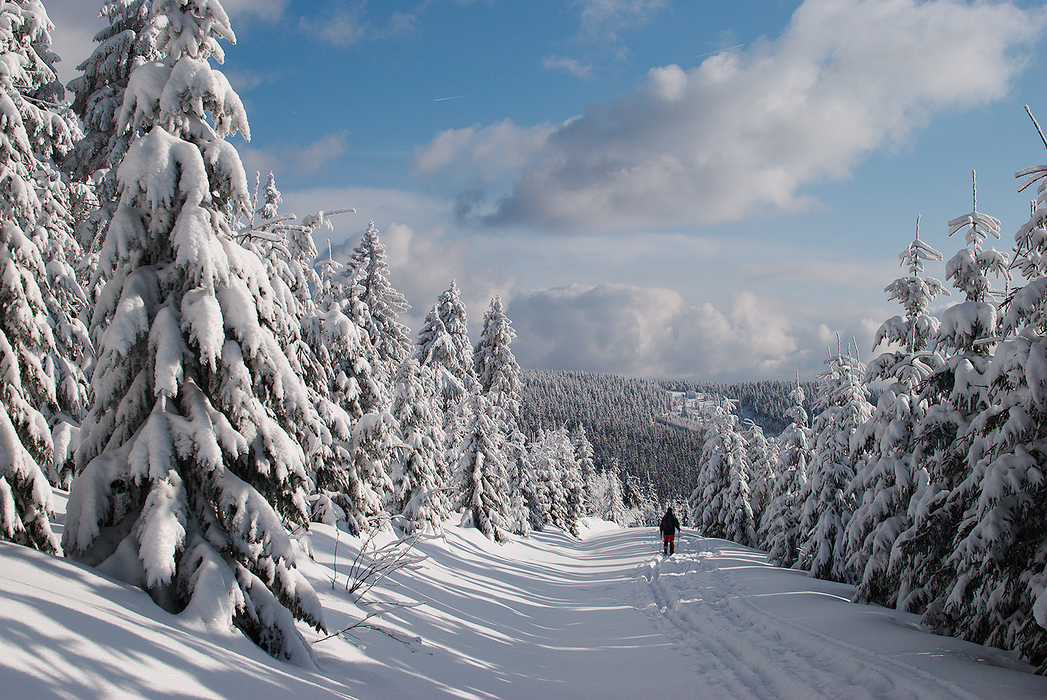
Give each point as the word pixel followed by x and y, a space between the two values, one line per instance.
pixel 745 651
pixel 551 617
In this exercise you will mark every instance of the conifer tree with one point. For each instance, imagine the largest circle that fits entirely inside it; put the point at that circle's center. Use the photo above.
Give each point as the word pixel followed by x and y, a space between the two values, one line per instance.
pixel 43 391
pixel 720 503
pixel 999 559
pixel 780 526
pixel 98 93
pixel 485 498
pixel 826 504
pixel 886 478
pixel 419 492
pixel 955 394
pixel 583 450
pixel 443 344
pixel 390 340
pixel 762 457
pixel 190 467
pixel 358 479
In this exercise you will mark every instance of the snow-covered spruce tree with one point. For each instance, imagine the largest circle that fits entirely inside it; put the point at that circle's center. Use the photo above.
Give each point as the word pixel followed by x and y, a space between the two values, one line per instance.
pixel 190 468
pixel 358 479
pixel 560 491
pixel 287 246
pixel 443 344
pixel 390 339
pixel 498 378
pixel 420 495
pixel 719 504
pixel 762 458
pixel 43 392
pixel 954 394
pixel 484 469
pixel 98 93
pixel 583 451
pixel 825 503
pixel 606 496
pixel 780 526
pixel 886 477
pixel 999 595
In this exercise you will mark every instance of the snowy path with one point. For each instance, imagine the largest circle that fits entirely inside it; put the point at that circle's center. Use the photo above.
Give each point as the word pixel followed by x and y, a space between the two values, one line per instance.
pixel 551 617
pixel 609 617
pixel 743 648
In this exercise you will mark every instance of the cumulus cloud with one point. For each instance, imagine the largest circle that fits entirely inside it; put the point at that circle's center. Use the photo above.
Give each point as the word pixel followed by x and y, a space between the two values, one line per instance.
pixel 291 161
pixel 747 130
pixel 653 332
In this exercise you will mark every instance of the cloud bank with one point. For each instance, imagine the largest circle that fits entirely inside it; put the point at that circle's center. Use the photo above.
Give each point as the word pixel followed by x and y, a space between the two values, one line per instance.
pixel 747 130
pixel 653 332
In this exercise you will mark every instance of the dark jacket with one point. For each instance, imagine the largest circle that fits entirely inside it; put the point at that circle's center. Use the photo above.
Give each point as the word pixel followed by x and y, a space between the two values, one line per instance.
pixel 669 524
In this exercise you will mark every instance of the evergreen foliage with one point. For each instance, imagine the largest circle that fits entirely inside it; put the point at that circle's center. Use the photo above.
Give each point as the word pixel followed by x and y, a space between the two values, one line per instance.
pixel 190 463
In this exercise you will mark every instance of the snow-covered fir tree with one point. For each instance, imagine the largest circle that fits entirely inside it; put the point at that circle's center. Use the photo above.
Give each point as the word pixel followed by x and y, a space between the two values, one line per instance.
pixel 127 42
pixel 999 560
pixel 886 477
pixel 443 344
pixel 826 504
pixel 420 495
pixel 390 339
pixel 583 451
pixel 356 480
pixel 560 491
pixel 524 504
pixel 43 343
pixel 498 378
pixel 720 502
pixel 606 497
pixel 954 394
pixel 484 495
pixel 190 467
pixel 762 458
pixel 780 525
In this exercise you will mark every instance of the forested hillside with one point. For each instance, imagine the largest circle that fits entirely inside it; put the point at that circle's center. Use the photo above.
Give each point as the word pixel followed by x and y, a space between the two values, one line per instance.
pixel 620 416
pixel 765 403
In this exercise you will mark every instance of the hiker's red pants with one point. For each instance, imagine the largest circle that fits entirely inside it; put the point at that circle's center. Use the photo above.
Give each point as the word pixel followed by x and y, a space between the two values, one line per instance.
pixel 668 540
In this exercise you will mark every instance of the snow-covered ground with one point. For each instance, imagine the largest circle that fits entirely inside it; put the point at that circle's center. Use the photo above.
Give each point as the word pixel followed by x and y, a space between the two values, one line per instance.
pixel 550 617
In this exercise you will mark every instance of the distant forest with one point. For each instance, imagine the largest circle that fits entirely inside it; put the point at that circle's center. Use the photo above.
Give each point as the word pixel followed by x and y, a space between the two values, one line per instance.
pixel 620 416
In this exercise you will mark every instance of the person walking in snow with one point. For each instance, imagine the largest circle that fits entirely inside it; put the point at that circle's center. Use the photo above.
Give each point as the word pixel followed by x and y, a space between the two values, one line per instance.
pixel 669 527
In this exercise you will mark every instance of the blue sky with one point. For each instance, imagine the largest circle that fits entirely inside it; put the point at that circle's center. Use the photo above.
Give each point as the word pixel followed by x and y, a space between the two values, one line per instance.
pixel 660 188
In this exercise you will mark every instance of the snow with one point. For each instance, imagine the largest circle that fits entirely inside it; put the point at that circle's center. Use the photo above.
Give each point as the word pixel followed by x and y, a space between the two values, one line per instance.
pixel 604 616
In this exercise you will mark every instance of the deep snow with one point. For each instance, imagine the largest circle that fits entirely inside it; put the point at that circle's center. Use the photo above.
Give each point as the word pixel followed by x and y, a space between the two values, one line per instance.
pixel 549 617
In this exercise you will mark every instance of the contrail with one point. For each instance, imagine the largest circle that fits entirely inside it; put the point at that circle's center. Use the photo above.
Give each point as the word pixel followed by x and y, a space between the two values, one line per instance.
pixel 713 53
pixel 442 99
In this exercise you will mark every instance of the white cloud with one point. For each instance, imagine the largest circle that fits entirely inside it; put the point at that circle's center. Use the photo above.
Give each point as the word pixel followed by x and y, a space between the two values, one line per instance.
pixel 296 160
pixel 422 264
pixel 569 65
pixel 482 155
pixel 76 23
pixel 265 10
pixel 747 130
pixel 653 332
pixel 851 274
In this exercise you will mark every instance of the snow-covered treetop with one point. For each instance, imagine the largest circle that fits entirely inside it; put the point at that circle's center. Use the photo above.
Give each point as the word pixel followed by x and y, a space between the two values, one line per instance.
pixel 915 294
pixel 192 28
pixel 970 266
pixel 979 225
